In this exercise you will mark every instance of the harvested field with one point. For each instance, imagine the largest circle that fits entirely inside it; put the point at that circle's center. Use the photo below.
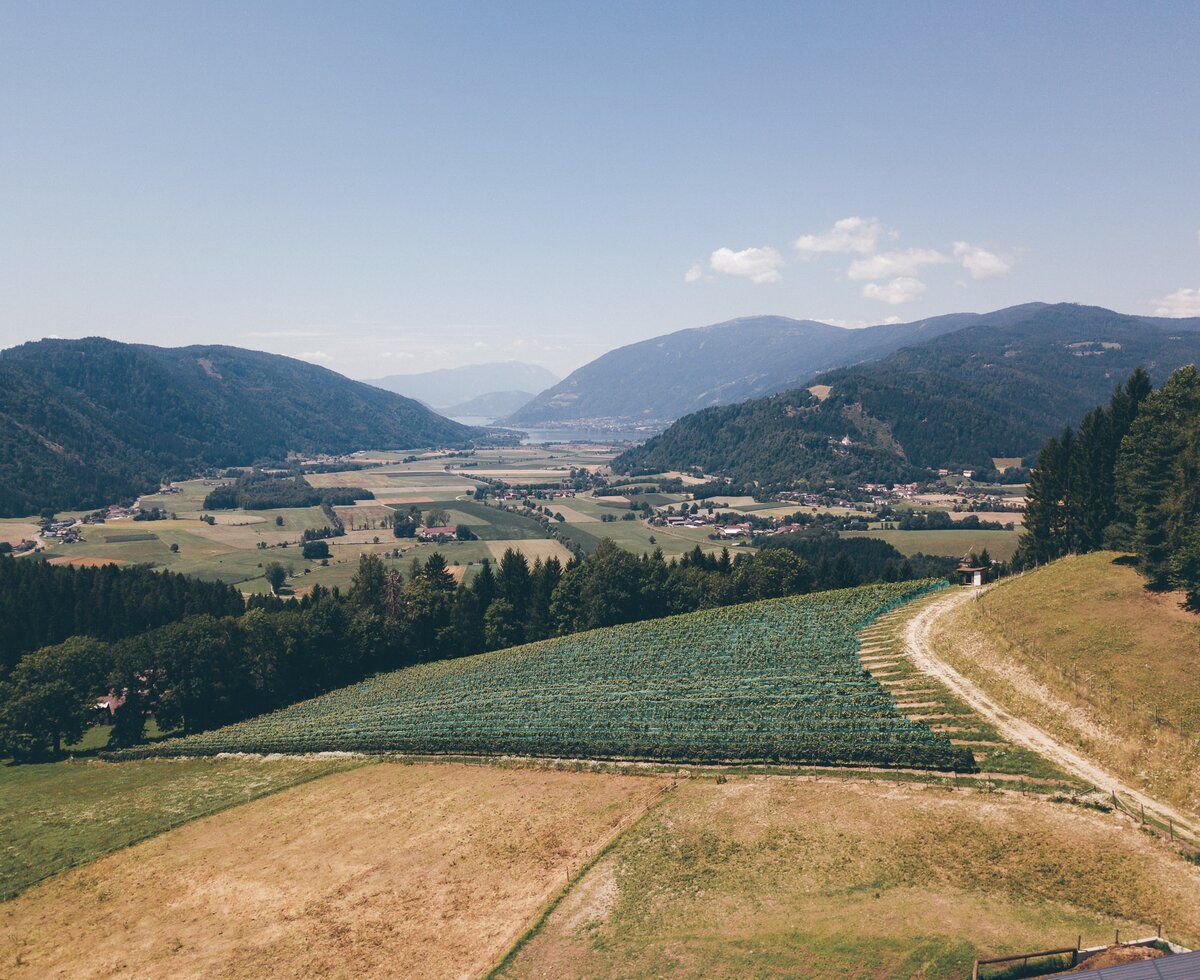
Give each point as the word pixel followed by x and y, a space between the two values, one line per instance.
pixel 14 532
pixel 786 877
pixel 389 870
pixel 85 561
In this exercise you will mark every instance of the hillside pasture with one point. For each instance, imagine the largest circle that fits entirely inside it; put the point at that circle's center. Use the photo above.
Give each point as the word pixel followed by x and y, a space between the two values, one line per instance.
pixel 766 876
pixel 1084 651
pixel 389 870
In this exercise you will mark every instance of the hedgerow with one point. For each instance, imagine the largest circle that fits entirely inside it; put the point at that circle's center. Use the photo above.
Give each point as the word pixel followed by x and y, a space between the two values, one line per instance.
pixel 771 681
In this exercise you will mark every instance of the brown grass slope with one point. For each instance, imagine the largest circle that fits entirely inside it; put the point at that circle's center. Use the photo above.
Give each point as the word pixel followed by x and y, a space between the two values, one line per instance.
pixel 1082 650
pixel 783 877
pixel 389 870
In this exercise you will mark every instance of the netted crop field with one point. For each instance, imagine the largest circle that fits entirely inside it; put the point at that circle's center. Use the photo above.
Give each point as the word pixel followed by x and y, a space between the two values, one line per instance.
pixel 778 680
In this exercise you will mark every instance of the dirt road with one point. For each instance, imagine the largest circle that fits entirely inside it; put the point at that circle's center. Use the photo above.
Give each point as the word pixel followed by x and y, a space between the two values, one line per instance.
pixel 918 646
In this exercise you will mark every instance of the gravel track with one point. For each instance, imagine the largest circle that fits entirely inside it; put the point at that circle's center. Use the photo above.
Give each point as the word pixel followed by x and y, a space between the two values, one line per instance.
pixel 919 647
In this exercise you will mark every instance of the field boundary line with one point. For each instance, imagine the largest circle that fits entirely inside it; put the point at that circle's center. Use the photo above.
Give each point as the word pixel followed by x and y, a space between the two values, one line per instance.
pixel 556 899
pixel 1019 731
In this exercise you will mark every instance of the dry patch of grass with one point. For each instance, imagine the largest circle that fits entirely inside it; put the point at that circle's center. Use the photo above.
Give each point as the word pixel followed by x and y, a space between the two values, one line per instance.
pixel 781 877
pixel 85 562
pixel 390 870
pixel 1081 649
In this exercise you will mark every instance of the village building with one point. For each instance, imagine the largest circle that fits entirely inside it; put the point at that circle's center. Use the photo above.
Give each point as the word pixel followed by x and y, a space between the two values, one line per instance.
pixel 436 533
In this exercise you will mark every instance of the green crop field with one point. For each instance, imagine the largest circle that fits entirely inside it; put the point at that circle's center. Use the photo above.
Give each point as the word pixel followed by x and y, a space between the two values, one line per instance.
pixel 494 524
pixel 773 680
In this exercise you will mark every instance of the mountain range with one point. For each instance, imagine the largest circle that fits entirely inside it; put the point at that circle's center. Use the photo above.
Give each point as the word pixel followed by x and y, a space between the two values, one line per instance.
pixel 664 378
pixel 491 405
pixel 445 389
pixel 995 387
pixel 87 422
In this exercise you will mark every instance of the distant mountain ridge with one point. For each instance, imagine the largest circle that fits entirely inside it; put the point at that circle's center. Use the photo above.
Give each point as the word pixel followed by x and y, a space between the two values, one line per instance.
pixel 492 405
pixel 667 377
pixel 445 388
pixel 87 422
pixel 996 388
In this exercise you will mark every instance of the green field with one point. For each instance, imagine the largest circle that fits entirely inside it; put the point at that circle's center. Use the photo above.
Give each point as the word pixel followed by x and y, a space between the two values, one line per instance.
pixel 494 524
pixel 773 680
pixel 950 543
pixel 62 814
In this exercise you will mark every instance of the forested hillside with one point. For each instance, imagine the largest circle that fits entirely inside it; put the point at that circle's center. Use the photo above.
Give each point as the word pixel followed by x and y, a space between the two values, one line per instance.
pixel 1127 479
pixel 994 389
pixel 87 422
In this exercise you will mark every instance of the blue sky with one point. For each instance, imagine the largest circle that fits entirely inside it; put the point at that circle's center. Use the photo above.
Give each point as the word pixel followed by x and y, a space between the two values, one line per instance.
pixel 387 187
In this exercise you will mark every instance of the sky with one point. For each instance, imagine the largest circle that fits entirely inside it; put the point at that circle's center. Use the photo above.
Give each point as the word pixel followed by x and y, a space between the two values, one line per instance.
pixel 393 187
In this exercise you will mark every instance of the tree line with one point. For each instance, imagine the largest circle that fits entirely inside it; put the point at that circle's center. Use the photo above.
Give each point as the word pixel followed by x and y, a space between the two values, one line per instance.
pixel 1127 479
pixel 43 604
pixel 223 665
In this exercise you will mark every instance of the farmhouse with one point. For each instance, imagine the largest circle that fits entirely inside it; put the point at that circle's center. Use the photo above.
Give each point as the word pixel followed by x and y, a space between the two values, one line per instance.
pixel 736 530
pixel 436 533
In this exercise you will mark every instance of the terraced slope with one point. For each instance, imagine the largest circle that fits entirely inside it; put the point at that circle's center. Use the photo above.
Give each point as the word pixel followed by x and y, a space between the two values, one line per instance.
pixel 778 680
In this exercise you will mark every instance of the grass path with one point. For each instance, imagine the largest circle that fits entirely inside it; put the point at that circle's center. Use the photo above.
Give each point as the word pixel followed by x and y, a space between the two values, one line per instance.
pixel 920 648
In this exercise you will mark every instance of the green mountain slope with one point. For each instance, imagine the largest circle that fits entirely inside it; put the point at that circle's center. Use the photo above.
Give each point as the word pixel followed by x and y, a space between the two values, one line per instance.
pixel 773 680
pixel 87 422
pixel 992 389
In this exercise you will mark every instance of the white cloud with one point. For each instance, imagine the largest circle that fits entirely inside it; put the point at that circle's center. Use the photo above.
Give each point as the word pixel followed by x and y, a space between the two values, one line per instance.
pixel 887 265
pixel 695 273
pixel 903 289
pixel 1182 302
pixel 756 264
pixel 853 234
pixel 313 355
pixel 981 263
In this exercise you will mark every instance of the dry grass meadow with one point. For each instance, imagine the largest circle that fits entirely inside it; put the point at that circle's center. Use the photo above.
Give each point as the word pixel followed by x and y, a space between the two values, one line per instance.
pixel 1082 650
pixel 388 870
pixel 783 877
